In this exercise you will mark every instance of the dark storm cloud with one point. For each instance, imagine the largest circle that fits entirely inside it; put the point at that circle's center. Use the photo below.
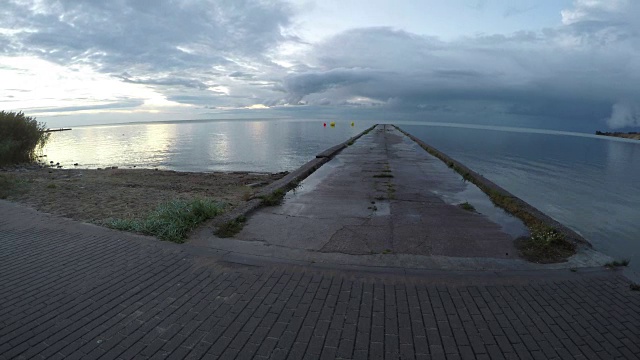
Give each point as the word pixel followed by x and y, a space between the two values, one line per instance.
pixel 314 82
pixel 581 71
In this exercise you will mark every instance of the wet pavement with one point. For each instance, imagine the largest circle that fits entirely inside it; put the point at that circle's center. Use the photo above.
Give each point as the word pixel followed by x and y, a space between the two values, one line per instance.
pixel 384 201
pixel 384 194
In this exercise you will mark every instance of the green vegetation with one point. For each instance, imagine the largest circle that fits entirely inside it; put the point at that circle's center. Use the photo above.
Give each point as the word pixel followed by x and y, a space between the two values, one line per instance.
pixel 274 198
pixel 382 176
pixel 10 185
pixel 20 137
pixel 172 221
pixel 387 251
pixel 231 228
pixel 391 191
pixel 467 206
pixel 546 245
pixel 617 263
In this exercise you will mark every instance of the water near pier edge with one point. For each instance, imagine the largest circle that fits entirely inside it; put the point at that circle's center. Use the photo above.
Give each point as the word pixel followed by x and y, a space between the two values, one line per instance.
pixel 586 182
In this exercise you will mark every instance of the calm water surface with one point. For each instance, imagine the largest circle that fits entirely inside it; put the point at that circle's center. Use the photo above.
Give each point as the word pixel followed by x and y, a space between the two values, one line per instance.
pixel 239 145
pixel 591 184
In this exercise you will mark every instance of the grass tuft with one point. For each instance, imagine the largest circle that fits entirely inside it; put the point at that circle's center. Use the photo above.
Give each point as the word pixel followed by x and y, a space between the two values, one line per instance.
pixel 172 221
pixel 467 206
pixel 10 185
pixel 546 245
pixel 274 198
pixel 231 228
pixel 387 251
pixel 616 263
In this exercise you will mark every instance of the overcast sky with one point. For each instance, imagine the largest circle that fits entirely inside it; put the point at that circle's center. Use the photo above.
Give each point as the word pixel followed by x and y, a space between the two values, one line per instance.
pixel 555 63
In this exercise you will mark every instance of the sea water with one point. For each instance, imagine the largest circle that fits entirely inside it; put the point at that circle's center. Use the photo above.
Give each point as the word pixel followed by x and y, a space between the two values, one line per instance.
pixel 589 183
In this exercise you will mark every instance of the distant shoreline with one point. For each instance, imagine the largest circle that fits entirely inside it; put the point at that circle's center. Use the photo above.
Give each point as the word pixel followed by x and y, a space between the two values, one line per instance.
pixel 630 135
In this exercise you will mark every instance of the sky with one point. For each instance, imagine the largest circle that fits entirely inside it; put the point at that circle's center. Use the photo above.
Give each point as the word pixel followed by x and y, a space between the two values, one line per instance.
pixel 558 64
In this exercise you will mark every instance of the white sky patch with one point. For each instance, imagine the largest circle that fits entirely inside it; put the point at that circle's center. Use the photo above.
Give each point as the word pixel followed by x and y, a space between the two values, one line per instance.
pixel 32 84
pixel 186 49
pixel 583 9
pixel 220 89
pixel 361 100
pixel 289 53
pixel 257 107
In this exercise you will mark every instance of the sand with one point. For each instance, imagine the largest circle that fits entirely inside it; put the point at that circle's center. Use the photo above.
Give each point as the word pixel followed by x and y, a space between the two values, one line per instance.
pixel 99 195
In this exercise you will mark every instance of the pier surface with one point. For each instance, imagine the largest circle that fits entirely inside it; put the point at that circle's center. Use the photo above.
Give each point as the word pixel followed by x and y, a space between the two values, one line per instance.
pixel 367 289
pixel 385 201
pixel 381 194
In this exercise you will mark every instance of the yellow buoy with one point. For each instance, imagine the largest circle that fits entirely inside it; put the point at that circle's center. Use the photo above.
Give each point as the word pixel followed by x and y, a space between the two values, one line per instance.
pixel 352 123
pixel 333 124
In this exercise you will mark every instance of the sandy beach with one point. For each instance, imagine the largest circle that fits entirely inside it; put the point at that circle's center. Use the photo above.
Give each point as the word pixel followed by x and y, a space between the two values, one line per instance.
pixel 98 195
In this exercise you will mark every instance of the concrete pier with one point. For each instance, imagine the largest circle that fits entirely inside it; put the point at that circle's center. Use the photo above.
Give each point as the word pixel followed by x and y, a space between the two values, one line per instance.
pixel 382 194
pixel 385 201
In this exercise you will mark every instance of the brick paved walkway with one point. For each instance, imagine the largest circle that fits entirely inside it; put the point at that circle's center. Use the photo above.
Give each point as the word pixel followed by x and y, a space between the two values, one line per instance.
pixel 79 291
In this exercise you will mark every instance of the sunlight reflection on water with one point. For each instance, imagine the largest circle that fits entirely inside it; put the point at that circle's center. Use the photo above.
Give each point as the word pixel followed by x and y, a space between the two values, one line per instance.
pixel 240 145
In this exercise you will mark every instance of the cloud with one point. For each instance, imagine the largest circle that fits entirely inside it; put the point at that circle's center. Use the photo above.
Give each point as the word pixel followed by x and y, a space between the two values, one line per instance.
pixel 167 81
pixel 124 104
pixel 240 53
pixel 170 46
pixel 624 114
pixel 575 72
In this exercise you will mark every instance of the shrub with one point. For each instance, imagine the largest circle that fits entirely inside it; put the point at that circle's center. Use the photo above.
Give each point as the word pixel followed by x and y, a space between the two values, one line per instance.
pixel 20 137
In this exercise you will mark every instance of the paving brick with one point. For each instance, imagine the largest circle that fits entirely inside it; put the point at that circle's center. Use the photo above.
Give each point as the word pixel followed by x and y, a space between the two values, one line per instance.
pixel 102 297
